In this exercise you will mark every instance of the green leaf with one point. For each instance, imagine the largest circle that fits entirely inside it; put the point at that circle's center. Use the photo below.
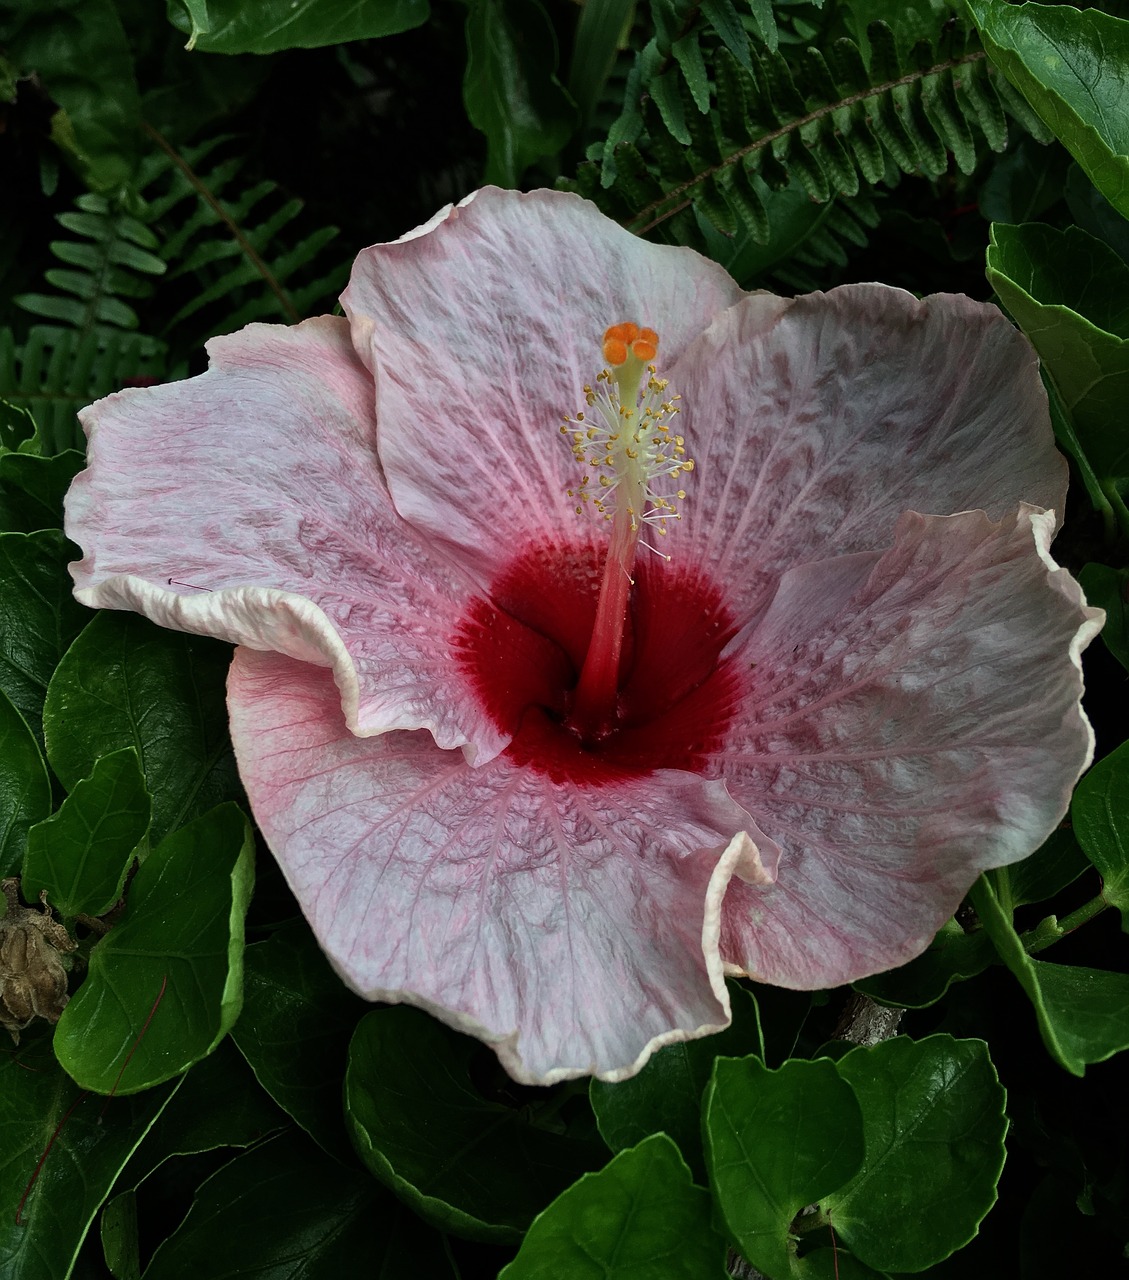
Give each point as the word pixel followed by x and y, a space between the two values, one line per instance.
pixel 1024 183
pixel 79 50
pixel 1058 862
pixel 933 1117
pixel 166 984
pixel 1109 590
pixel 25 788
pixel 39 617
pixel 80 855
pixel 219 1104
pixel 510 90
pixel 89 1150
pixel 1100 814
pixel 639 1216
pixel 269 26
pixel 294 1031
pixel 777 1141
pixel 285 1209
pixel 1070 65
pixel 1083 1014
pixel 472 1166
pixel 953 956
pixel 127 683
pixel 1047 279
pixel 32 488
pixel 16 425
pixel 666 1096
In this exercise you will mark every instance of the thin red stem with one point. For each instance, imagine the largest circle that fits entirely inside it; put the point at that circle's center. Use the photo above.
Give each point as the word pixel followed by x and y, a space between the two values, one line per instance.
pixel 594 702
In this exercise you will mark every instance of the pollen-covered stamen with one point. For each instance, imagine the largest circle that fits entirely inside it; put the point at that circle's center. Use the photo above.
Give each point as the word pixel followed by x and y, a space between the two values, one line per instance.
pixel 631 461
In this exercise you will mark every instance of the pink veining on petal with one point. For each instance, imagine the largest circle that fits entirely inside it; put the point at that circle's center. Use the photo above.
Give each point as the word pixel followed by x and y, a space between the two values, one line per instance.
pixel 575 929
pixel 831 715
pixel 249 504
pixel 922 731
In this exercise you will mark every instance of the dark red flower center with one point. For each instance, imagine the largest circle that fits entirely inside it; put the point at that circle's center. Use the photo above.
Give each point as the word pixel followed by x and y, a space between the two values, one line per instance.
pixel 523 648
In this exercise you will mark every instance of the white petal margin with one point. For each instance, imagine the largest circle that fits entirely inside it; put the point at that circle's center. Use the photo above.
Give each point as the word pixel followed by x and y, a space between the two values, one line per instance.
pixel 482 330
pixel 575 932
pixel 919 727
pixel 248 504
pixel 816 421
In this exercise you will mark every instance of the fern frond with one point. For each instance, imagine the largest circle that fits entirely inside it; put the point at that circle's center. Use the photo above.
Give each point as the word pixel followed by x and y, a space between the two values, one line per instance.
pixel 110 257
pixel 231 249
pixel 835 122
pixel 58 370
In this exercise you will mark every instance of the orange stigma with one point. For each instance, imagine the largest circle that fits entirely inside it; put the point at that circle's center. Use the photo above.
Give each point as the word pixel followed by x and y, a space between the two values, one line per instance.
pixel 623 339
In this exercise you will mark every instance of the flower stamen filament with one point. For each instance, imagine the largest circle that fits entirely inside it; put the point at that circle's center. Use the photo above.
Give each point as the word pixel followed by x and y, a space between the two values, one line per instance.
pixel 628 446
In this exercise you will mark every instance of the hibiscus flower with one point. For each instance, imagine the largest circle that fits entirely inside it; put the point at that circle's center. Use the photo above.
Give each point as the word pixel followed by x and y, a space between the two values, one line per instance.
pixel 550 729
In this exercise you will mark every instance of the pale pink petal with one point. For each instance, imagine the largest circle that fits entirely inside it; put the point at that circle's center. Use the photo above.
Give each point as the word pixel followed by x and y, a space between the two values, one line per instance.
pixel 482 329
pixel 814 425
pixel 929 731
pixel 574 931
pixel 248 504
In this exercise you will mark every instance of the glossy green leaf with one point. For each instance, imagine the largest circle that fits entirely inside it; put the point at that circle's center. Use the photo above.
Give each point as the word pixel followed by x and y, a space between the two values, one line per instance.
pixel 666 1096
pixel 1094 213
pixel 269 26
pixel 467 1164
pixel 1070 65
pixel 286 1209
pixel 1046 279
pixel 294 1031
pixel 933 1116
pixel 1100 814
pixel 1058 862
pixel 1083 1014
pixel 32 489
pixel 166 983
pixel 16 423
pixel 120 1236
pixel 510 90
pixel 777 1141
pixel 39 616
pixel 127 683
pixel 25 789
pixel 79 50
pixel 953 956
pixel 80 855
pixel 1108 588
pixel 89 1150
pixel 640 1216
pixel 219 1104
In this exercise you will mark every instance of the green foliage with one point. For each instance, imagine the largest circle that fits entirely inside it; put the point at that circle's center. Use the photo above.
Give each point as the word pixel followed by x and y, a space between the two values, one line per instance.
pixel 1070 66
pixel 716 125
pixel 666 1096
pixel 934 1126
pixel 774 137
pixel 511 89
pixel 480 1168
pixel 80 855
pixel 1067 289
pixel 25 789
pixel 777 1141
pixel 268 26
pixel 127 683
pixel 166 983
pixel 89 1151
pixel 80 50
pixel 286 1208
pixel 639 1216
pixel 294 1031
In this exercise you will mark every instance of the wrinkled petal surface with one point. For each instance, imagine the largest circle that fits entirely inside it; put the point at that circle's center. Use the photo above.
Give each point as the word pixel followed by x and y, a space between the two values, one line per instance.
pixel 249 504
pixel 816 421
pixel 482 330
pixel 914 719
pixel 574 932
